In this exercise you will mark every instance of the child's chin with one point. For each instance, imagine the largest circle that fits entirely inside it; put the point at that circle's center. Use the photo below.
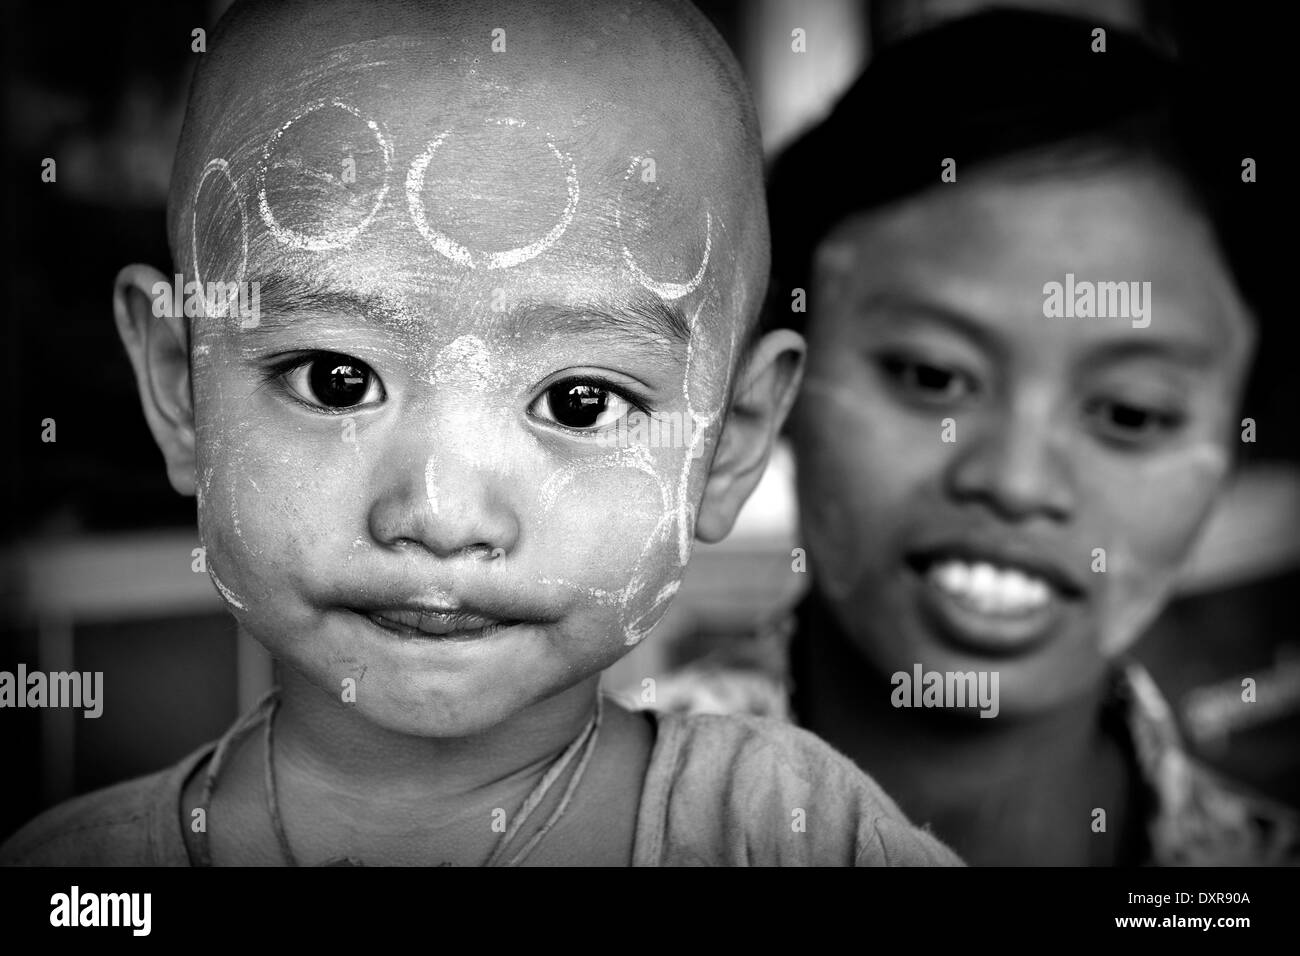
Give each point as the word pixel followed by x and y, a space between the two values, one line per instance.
pixel 420 716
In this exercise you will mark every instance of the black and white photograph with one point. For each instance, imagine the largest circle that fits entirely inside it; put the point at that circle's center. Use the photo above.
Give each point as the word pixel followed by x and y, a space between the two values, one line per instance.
pixel 651 433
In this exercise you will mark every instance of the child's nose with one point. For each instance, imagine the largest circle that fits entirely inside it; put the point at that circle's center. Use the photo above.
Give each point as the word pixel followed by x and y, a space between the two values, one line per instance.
pixel 446 505
pixel 1014 465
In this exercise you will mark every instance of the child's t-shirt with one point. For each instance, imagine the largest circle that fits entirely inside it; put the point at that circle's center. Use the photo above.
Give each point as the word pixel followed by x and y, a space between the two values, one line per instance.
pixel 719 791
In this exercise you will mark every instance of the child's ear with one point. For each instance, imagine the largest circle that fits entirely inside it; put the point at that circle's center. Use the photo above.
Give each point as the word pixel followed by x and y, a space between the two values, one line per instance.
pixel 160 355
pixel 763 397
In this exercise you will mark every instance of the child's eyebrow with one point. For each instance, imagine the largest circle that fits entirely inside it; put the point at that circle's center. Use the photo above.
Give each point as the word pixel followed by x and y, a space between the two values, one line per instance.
pixel 285 298
pixel 643 318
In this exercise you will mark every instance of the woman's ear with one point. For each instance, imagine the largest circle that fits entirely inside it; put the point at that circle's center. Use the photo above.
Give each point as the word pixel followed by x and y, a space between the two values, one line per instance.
pixel 768 383
pixel 158 346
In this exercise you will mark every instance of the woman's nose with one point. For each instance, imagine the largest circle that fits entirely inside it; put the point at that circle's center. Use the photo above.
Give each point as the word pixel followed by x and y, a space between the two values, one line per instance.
pixel 1014 464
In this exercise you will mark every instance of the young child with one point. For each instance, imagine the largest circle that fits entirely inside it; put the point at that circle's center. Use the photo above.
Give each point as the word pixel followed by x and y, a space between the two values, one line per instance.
pixel 993 482
pixel 471 251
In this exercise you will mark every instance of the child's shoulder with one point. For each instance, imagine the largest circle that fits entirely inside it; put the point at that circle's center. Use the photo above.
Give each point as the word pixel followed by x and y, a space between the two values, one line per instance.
pixel 738 789
pixel 133 823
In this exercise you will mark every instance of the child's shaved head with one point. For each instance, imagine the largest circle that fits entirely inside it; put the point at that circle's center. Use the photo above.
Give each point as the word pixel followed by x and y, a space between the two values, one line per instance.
pixel 637 108
pixel 507 258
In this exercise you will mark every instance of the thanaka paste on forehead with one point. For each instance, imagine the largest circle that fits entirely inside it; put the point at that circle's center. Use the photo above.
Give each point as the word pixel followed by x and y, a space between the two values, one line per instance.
pixel 337 239
pixel 217 165
pixel 668 291
pixel 447 247
pixel 467 362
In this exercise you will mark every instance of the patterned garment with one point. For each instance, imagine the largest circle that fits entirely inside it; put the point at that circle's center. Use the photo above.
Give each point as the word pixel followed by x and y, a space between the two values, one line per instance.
pixel 1197 817
pixel 1200 817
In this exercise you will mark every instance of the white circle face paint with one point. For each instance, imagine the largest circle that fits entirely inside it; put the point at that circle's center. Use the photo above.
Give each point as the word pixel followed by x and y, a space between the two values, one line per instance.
pixel 330 240
pixel 449 248
pixel 636 631
pixel 227 595
pixel 636 458
pixel 668 291
pixel 217 165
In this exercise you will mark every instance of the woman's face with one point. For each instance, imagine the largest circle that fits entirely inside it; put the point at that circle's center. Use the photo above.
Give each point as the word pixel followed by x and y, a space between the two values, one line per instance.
pixel 969 465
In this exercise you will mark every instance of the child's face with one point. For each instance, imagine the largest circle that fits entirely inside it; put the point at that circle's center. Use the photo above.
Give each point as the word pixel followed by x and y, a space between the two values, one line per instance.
pixel 1069 436
pixel 410 471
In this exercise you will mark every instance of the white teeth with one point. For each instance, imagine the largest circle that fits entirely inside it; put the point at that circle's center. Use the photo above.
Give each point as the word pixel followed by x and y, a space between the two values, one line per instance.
pixel 990 589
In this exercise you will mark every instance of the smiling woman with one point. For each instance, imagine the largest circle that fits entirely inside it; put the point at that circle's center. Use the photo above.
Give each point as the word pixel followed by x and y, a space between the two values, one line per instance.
pixel 993 495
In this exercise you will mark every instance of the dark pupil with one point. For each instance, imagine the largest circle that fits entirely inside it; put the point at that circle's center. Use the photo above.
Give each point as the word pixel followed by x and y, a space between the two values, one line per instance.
pixel 1128 417
pixel 929 377
pixel 578 406
pixel 339 381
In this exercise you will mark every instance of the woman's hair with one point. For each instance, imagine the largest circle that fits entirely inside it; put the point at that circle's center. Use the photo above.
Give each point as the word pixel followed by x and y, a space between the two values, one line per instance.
pixel 998 88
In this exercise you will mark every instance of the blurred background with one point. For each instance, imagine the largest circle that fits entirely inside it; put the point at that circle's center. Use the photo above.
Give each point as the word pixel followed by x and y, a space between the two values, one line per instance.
pixel 95 564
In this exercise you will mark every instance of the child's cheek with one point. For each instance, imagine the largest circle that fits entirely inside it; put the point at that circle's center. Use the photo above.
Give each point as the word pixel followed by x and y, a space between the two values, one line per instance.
pixel 1151 526
pixel 262 498
pixel 624 507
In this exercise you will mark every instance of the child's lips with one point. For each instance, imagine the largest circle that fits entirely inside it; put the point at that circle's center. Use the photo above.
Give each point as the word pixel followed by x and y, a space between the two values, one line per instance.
pixel 416 621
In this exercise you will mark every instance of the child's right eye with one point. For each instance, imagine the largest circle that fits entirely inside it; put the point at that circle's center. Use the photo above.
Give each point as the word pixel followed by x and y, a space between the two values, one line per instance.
pixel 331 380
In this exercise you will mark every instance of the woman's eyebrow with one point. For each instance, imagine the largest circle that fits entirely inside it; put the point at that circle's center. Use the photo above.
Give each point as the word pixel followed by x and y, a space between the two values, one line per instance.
pixel 1189 352
pixel 904 311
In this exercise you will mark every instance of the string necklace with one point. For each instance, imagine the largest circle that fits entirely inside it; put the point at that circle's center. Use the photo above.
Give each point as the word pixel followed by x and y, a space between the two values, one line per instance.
pixel 581 748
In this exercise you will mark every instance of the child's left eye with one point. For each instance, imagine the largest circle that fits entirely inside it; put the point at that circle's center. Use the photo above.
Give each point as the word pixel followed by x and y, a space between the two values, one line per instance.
pixel 584 406
pixel 333 381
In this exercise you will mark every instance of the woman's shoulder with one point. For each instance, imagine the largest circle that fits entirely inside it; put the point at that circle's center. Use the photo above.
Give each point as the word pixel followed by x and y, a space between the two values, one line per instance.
pixel 133 823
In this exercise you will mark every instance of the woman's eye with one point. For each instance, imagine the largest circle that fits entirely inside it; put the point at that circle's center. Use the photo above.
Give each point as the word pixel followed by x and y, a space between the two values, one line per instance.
pixel 1131 424
pixel 580 405
pixel 930 383
pixel 334 381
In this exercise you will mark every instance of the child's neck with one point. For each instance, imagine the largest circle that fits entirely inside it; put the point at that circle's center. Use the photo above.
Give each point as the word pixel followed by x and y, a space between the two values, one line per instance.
pixel 1000 791
pixel 347 788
